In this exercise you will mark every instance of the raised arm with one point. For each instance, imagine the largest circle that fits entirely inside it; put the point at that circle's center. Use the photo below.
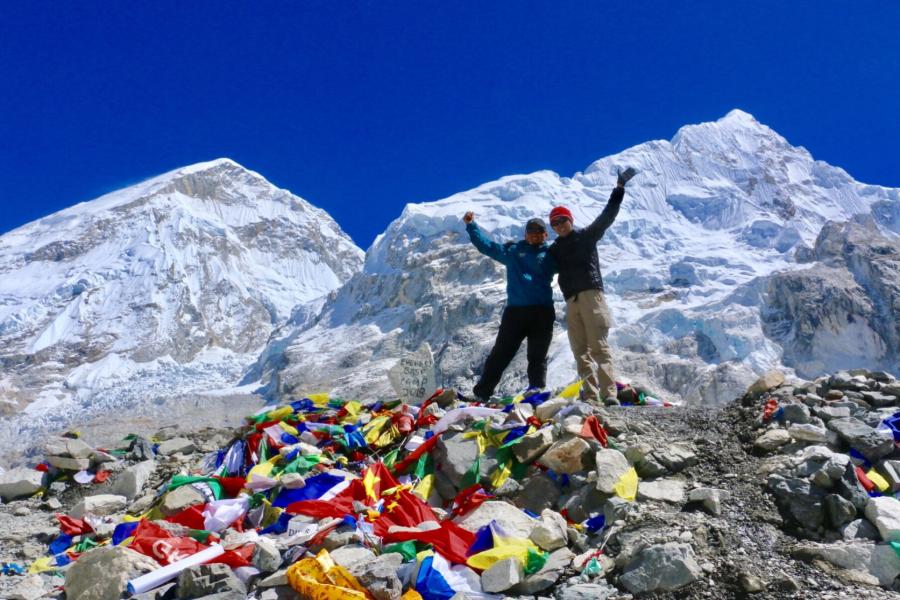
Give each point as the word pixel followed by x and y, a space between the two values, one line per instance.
pixel 485 245
pixel 596 229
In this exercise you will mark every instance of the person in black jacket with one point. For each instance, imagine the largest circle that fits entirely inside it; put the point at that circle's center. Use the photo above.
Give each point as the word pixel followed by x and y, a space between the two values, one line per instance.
pixel 587 315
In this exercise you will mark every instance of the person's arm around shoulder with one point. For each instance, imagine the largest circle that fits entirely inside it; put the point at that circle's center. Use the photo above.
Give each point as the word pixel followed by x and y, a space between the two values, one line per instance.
pixel 484 244
pixel 596 229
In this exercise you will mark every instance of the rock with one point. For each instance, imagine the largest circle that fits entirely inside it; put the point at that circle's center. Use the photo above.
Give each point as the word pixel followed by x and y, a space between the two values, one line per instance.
pixel 532 446
pixel 827 413
pixel 565 456
pixel 890 469
pixel 878 560
pixel 63 446
pixel 502 575
pixel 884 513
pixel 610 466
pixel 550 533
pixel 872 443
pixel 584 502
pixel 351 554
pixel 69 464
pixel 859 529
pixel 557 563
pixel 546 411
pixel 710 498
pixel 293 481
pixel 807 432
pixel 849 487
pixel 618 509
pixel 661 490
pixel 266 556
pixel 586 591
pixel 650 468
pixel 454 455
pixel 177 446
pixel 795 413
pixel 19 483
pixel 130 482
pixel 804 502
pixel 379 576
pixel 772 439
pixel 100 505
pixel 179 499
pixel 676 457
pixel 840 511
pixel 661 568
pixel 539 492
pixel 277 578
pixel 204 580
pixel 878 400
pixel 772 379
pixel 29 588
pixel 103 573
pixel 751 583
pixel 511 519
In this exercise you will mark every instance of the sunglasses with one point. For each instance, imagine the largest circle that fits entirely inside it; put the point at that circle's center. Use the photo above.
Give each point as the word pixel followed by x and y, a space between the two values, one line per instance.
pixel 558 221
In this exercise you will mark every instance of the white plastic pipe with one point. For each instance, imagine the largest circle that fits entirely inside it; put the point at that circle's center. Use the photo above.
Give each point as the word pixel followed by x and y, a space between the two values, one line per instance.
pixel 158 577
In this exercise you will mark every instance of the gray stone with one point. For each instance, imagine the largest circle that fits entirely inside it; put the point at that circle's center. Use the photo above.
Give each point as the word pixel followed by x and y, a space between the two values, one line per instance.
pixel 584 502
pixel 710 498
pixel 618 509
pixel 454 455
pixel 872 443
pixel 827 413
pixel 849 487
pixel 610 466
pixel 28 588
pixel 771 379
pixel 547 576
pixel 807 432
pixel 19 483
pixel 884 513
pixel 100 505
pixel 859 529
pixel 586 591
pixel 180 498
pixel 69 464
pixel 103 573
pixel 511 519
pixel 340 538
pixel 538 493
pixel 502 575
pixel 772 440
pixel 751 584
pixel 266 556
pixel 796 413
pixel 177 446
pixel 878 560
pixel 890 469
pixel 205 580
pixel 130 482
pixel 293 481
pixel 277 578
pixel 548 409
pixel 661 490
pixel 62 446
pixel 878 400
pixel 661 568
pixel 840 511
pixel 351 554
pixel 802 501
pixel 533 445
pixel 676 457
pixel 550 533
pixel 379 576
pixel 566 456
pixel 892 389
pixel 650 468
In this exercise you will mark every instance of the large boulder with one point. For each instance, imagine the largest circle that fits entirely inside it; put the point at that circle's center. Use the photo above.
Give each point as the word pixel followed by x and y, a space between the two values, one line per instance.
pixel 511 519
pixel 870 442
pixel 103 573
pixel 610 466
pixel 884 513
pixel 566 456
pixel 661 568
pixel 878 560
pixel 19 483
pixel 204 580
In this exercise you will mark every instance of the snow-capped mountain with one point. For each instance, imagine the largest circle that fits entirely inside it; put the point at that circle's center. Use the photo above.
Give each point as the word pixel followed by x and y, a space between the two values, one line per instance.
pixel 713 214
pixel 163 288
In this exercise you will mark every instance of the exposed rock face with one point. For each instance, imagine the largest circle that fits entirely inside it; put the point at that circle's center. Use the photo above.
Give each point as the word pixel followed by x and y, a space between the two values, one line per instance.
pixel 840 313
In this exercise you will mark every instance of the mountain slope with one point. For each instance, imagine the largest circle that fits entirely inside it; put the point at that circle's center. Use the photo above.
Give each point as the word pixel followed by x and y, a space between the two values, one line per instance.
pixel 144 287
pixel 713 213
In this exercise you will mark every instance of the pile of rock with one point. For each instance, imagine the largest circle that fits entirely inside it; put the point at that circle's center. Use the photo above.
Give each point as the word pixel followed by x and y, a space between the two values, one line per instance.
pixel 833 466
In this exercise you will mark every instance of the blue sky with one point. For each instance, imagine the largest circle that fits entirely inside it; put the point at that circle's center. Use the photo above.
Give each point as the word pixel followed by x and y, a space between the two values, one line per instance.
pixel 361 107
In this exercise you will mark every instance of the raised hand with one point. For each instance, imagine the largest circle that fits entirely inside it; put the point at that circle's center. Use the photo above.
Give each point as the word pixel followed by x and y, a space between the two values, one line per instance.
pixel 468 217
pixel 625 175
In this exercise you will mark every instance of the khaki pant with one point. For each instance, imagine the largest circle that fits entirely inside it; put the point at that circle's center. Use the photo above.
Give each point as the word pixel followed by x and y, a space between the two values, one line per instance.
pixel 588 324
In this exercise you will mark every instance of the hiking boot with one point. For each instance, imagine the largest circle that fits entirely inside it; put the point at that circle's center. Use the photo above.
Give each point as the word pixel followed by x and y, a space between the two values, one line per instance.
pixel 532 391
pixel 612 402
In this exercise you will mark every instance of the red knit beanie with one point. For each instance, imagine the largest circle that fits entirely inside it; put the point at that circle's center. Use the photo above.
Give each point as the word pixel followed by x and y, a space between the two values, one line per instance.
pixel 561 211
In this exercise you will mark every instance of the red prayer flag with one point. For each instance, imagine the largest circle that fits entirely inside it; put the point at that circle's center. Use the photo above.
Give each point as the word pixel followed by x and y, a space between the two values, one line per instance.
pixel 72 526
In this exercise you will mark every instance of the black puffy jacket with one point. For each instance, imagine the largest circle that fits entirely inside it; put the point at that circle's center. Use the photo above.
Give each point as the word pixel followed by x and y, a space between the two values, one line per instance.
pixel 576 254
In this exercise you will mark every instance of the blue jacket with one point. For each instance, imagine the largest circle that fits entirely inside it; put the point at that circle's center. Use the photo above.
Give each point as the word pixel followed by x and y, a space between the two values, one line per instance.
pixel 529 269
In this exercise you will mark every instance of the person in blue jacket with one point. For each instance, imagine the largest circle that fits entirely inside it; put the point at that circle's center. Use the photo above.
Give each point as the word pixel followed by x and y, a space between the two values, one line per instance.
pixel 529 310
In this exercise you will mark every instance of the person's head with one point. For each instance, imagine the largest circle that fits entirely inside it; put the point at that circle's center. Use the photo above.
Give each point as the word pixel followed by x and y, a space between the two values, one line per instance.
pixel 535 232
pixel 561 221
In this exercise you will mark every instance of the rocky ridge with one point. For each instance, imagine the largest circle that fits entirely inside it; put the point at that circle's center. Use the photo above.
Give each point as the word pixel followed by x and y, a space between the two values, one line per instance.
pixel 786 492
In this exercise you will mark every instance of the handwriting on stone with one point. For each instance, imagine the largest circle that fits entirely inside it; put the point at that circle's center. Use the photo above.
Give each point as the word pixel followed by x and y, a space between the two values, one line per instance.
pixel 413 377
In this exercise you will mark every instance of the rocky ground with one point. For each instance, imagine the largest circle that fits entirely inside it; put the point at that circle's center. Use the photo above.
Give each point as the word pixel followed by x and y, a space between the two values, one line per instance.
pixel 760 498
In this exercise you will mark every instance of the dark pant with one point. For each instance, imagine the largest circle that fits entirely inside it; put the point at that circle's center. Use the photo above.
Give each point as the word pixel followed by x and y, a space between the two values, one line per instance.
pixel 518 323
